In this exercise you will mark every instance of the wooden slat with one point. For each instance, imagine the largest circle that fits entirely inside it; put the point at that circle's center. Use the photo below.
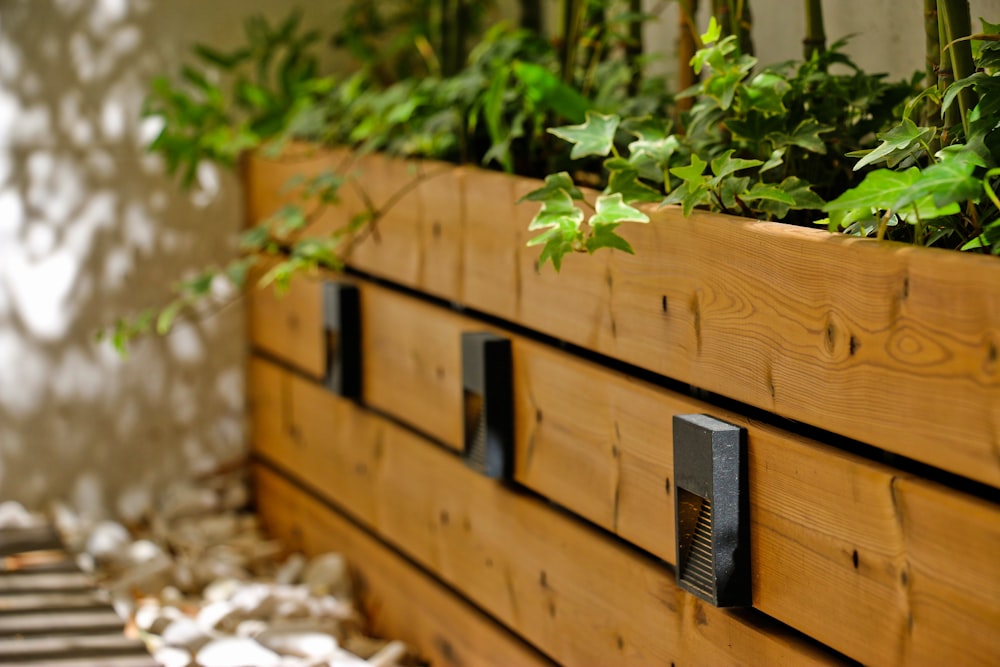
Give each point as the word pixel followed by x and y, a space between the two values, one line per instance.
pixel 42 581
pixel 86 661
pixel 815 327
pixel 20 540
pixel 290 325
pixel 598 443
pixel 93 646
pixel 26 602
pixel 577 596
pixel 399 600
pixel 51 621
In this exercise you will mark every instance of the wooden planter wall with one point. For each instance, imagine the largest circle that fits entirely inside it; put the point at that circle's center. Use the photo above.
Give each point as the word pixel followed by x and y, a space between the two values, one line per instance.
pixel 894 348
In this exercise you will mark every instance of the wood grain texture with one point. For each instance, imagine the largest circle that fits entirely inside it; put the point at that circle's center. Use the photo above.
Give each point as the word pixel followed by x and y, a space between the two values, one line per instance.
pixel 577 596
pixel 894 346
pixel 400 601
pixel 599 443
pixel 289 326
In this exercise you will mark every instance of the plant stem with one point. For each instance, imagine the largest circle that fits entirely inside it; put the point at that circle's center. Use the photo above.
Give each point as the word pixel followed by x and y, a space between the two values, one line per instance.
pixel 687 44
pixel 945 73
pixel 815 39
pixel 932 110
pixel 572 18
pixel 734 19
pixel 531 15
pixel 954 16
pixel 634 46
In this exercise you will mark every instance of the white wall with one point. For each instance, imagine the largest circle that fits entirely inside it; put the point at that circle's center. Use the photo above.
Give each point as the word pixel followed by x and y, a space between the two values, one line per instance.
pixel 90 229
pixel 888 34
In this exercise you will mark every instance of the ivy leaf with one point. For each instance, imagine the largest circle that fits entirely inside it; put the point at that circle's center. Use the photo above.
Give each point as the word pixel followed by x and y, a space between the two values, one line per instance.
pixel 954 89
pixel 769 192
pixel 805 135
pixel 595 136
pixel 948 181
pixel 776 160
pixel 692 173
pixel 880 189
pixel 612 209
pixel 554 184
pixel 548 91
pixel 653 142
pixel 726 164
pixel 712 34
pixel 899 143
pixel 802 197
pixel 624 179
pixel 731 188
pixel 765 93
pixel 557 211
pixel 604 236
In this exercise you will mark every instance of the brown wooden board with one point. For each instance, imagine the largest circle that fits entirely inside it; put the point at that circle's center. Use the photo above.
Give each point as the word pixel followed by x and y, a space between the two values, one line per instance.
pixel 576 595
pixel 891 345
pixel 834 535
pixel 399 600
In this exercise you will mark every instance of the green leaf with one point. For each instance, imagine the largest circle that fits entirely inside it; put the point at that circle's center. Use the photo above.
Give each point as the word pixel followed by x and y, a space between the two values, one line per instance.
pixel 946 182
pixel 604 236
pixel 776 160
pixel 623 178
pixel 880 189
pixel 954 89
pixel 692 173
pixel 765 93
pixel 549 91
pixel 557 211
pixel 805 135
pixel 554 184
pixel 595 136
pixel 900 142
pixel 726 164
pixel 712 34
pixel 165 320
pixel 769 192
pixel 612 209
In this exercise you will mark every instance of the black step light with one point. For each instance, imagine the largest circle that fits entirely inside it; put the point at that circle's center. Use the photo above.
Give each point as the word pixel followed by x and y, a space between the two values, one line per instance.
pixel 342 327
pixel 487 395
pixel 711 511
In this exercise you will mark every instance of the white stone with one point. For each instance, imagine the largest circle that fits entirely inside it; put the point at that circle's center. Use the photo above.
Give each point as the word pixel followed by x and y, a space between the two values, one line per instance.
pixel 221 589
pixel 291 570
pixel 236 652
pixel 186 633
pixel 327 575
pixel 171 656
pixel 14 515
pixel 313 645
pixel 109 540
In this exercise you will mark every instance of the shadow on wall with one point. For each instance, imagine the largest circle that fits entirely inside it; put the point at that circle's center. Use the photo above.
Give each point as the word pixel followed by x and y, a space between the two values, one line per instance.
pixel 91 229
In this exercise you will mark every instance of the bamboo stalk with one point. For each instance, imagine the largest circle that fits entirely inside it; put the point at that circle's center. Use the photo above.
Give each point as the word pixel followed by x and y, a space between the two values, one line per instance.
pixel 634 47
pixel 531 15
pixel 945 73
pixel 954 16
pixel 932 110
pixel 815 39
pixel 687 44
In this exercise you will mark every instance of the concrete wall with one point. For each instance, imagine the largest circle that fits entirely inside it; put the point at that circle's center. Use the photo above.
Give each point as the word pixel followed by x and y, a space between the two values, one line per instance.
pixel 90 229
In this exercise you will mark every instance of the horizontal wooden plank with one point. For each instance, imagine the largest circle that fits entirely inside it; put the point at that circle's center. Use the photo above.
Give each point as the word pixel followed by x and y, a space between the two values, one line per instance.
pixel 398 599
pixel 45 581
pixel 577 596
pixel 86 661
pixel 28 602
pixel 289 325
pixel 53 621
pixel 95 647
pixel 21 540
pixel 815 327
pixel 598 443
